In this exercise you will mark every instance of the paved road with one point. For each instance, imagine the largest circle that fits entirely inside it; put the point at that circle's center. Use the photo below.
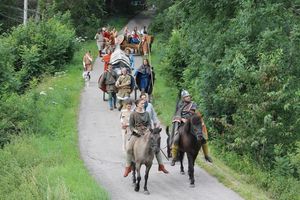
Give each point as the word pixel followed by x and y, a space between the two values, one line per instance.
pixel 100 147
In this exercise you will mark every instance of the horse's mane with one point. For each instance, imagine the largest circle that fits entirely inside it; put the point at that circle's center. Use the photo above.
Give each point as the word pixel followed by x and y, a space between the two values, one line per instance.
pixel 193 120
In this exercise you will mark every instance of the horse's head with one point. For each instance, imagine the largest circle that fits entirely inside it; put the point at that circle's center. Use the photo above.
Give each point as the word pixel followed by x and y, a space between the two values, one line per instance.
pixel 155 139
pixel 194 126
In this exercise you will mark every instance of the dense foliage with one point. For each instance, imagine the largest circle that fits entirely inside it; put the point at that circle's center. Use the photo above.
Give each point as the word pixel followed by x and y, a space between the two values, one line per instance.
pixel 33 50
pixel 241 62
pixel 27 54
pixel 87 16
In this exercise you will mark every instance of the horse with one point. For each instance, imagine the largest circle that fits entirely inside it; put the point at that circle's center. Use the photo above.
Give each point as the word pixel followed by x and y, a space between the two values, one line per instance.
pixel 144 150
pixel 191 140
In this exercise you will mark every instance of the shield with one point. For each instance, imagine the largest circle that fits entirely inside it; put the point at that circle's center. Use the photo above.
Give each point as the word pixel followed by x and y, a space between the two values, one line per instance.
pixel 102 86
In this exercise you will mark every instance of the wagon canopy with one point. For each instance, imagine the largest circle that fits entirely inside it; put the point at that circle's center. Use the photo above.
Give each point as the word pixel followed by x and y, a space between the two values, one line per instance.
pixel 118 57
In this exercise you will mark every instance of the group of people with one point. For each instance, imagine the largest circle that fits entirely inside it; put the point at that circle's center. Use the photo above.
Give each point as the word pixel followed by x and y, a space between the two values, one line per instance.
pixel 105 39
pixel 135 36
pixel 120 87
pixel 137 122
pixel 139 117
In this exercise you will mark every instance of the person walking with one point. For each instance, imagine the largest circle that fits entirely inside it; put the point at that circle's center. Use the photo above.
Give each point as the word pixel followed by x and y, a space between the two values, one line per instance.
pixel 109 78
pixel 100 41
pixel 87 63
pixel 144 77
pixel 123 85
pixel 124 117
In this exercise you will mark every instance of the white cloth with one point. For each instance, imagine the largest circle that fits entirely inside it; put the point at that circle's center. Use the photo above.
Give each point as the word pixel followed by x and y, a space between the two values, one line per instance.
pixel 153 115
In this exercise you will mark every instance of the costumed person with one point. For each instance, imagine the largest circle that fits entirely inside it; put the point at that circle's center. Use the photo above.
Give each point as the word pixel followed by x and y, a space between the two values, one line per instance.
pixel 145 44
pixel 185 109
pixel 87 63
pixel 126 33
pixel 106 59
pixel 154 123
pixel 100 41
pixel 139 124
pixel 109 78
pixel 124 117
pixel 135 38
pixel 123 85
pixel 144 76
pixel 131 58
pixel 106 37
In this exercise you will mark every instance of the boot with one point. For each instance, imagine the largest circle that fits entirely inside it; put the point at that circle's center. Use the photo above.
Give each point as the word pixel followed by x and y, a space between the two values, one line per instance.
pixel 174 154
pixel 100 53
pixel 205 151
pixel 127 171
pixel 162 168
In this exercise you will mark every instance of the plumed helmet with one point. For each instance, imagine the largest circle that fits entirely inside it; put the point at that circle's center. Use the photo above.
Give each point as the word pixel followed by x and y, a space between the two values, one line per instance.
pixel 184 93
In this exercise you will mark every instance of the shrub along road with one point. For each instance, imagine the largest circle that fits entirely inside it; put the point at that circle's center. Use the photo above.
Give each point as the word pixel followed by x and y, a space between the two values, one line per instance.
pixel 100 146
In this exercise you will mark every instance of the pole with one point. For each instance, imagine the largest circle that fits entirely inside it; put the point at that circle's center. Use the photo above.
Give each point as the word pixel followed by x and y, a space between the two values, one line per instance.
pixel 25 12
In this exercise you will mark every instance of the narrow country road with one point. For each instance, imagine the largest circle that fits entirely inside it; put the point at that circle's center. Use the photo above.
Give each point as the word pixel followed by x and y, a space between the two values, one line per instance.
pixel 100 147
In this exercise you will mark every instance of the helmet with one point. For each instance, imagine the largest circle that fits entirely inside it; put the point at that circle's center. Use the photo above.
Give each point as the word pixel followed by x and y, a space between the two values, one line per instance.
pixel 184 93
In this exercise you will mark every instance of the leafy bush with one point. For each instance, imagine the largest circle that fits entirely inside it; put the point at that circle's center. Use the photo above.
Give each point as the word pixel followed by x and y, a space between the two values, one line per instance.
pixel 241 63
pixel 33 50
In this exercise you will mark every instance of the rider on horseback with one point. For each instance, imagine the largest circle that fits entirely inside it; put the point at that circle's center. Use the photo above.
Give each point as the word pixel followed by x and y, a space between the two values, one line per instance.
pixel 139 123
pixel 184 110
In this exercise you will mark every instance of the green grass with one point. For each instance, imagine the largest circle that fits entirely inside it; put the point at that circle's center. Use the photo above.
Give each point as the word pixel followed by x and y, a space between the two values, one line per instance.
pixel 165 100
pixel 165 96
pixel 43 162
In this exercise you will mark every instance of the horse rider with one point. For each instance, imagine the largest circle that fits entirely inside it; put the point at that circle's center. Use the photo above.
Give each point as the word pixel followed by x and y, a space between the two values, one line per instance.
pixel 154 123
pixel 109 79
pixel 139 124
pixel 185 109
pixel 123 85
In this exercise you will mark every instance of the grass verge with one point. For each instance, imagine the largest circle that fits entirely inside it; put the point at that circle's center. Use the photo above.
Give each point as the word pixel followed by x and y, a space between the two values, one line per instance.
pixel 43 162
pixel 165 100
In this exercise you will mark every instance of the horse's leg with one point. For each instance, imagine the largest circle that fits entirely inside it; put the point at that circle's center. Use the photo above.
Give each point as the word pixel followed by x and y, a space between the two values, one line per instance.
pixel 191 169
pixel 148 167
pixel 133 173
pixel 181 155
pixel 138 170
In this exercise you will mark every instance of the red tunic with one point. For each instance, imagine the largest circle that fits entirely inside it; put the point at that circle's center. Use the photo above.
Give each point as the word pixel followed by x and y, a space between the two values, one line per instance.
pixel 106 60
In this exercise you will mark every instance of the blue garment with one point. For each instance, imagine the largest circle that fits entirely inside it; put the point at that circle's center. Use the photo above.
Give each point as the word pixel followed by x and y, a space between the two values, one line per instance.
pixel 143 78
pixel 131 59
pixel 144 82
pixel 135 41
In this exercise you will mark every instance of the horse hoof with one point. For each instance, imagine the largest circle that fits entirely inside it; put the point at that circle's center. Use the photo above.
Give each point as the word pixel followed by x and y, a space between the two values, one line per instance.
pixel 192 185
pixel 146 192
pixel 136 189
pixel 182 173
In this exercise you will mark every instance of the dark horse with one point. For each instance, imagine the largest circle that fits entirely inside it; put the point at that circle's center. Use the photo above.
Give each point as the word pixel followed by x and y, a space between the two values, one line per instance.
pixel 144 150
pixel 190 142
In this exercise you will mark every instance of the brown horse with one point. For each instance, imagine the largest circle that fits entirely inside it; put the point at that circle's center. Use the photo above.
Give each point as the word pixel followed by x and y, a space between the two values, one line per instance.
pixel 144 150
pixel 190 142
